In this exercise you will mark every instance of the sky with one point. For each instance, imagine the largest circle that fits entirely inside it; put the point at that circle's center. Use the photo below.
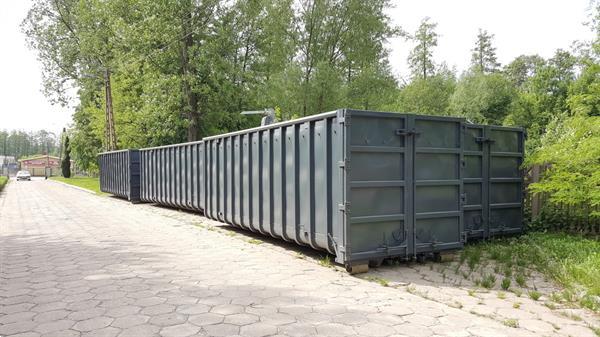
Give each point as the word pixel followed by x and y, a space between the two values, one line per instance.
pixel 520 27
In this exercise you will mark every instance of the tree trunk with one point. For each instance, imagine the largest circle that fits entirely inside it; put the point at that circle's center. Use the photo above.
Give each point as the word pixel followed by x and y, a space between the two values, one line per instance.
pixel 111 135
pixel 190 104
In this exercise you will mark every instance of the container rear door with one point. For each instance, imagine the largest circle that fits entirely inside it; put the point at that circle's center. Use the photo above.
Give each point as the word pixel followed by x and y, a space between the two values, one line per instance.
pixel 437 185
pixel 475 178
pixel 506 180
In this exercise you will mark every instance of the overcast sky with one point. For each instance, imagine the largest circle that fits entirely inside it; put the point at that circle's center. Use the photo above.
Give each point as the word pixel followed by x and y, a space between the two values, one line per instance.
pixel 520 27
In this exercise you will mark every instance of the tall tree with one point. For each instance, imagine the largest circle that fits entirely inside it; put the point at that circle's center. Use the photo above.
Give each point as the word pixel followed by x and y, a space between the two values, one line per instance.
pixel 483 57
pixel 482 98
pixel 430 96
pixel 420 58
pixel 522 68
pixel 543 96
pixel 65 165
pixel 338 40
pixel 74 40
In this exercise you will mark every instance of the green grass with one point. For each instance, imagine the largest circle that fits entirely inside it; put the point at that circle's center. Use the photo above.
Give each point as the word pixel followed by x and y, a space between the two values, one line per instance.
pixel 379 280
pixel 535 295
pixel 513 323
pixel 325 261
pixel 488 281
pixel 3 182
pixel 570 260
pixel 89 183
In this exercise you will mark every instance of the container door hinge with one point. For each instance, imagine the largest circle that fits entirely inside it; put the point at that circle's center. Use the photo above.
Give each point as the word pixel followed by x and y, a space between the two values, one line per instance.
pixel 344 120
pixel 463 237
pixel 343 163
pixel 344 207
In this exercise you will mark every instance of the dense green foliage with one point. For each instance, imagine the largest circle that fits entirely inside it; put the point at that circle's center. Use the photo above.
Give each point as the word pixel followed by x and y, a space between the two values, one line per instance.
pixel 482 98
pixel 570 260
pixel 24 144
pixel 181 70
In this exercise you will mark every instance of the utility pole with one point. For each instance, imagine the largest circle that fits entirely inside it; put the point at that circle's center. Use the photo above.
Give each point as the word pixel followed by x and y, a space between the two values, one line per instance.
pixel 5 164
pixel 111 136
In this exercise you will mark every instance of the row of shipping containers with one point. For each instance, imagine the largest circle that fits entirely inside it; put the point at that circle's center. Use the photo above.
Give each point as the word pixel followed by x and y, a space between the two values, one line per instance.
pixel 361 185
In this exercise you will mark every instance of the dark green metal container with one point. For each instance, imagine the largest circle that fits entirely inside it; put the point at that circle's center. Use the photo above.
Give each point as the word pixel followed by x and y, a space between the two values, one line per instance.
pixel 361 185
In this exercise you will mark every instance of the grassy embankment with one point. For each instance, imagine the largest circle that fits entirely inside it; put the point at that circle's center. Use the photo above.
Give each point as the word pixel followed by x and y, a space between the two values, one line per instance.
pixel 3 182
pixel 89 183
pixel 571 261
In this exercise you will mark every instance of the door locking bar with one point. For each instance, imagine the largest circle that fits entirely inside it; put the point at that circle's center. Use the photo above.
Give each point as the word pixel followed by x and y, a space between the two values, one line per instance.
pixel 405 132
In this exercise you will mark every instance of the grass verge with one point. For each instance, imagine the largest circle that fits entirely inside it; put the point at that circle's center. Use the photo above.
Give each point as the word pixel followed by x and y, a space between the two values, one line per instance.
pixel 570 260
pixel 3 182
pixel 89 183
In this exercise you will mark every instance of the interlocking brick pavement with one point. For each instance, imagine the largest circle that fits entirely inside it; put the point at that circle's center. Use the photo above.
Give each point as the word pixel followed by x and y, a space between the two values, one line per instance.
pixel 75 264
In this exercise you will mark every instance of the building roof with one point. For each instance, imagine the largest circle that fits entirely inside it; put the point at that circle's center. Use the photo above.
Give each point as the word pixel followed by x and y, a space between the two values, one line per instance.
pixel 38 157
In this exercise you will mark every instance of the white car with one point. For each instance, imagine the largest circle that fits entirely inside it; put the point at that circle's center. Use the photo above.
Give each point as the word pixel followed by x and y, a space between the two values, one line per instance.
pixel 23 175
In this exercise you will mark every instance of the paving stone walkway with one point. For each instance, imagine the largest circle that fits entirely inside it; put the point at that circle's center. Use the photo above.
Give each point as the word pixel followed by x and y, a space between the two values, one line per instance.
pixel 74 264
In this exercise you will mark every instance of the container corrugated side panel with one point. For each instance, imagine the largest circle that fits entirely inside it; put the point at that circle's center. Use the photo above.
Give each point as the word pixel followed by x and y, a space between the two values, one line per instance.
pixel 173 175
pixel 119 173
pixel 277 180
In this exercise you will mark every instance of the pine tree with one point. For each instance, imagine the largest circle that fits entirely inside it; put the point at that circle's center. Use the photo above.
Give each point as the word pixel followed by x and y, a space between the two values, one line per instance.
pixel 484 58
pixel 66 162
pixel 420 58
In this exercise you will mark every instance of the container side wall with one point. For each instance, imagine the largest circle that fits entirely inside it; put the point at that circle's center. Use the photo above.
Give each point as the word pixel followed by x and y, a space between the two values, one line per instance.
pixel 120 174
pixel 173 175
pixel 278 181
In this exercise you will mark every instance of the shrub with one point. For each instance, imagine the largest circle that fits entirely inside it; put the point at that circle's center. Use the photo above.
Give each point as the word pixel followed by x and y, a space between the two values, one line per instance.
pixel 66 162
pixel 505 283
pixel 3 182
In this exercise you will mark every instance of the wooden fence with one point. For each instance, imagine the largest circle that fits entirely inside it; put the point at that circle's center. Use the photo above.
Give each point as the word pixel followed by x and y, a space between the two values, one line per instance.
pixel 551 216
